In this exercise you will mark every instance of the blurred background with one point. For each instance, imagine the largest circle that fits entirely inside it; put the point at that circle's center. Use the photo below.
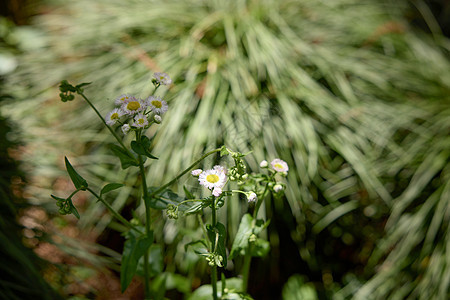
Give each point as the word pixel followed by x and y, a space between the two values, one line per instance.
pixel 354 95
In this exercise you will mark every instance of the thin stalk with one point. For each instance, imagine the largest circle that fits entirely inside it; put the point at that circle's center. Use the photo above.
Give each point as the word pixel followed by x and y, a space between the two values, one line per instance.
pixel 162 188
pixel 248 253
pixel 214 267
pixel 114 212
pixel 107 126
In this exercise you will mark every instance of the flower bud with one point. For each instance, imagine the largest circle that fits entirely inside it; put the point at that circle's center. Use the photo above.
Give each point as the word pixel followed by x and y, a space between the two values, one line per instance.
pixel 157 119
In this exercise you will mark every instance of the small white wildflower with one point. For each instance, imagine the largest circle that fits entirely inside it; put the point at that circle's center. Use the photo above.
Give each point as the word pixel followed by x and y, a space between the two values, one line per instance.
pixel 133 106
pixel 263 164
pixel 213 178
pixel 251 197
pixel 162 78
pixel 113 116
pixel 124 99
pixel 140 121
pixel 277 188
pixel 196 172
pixel 279 165
pixel 157 105
pixel 157 119
pixel 126 128
pixel 217 191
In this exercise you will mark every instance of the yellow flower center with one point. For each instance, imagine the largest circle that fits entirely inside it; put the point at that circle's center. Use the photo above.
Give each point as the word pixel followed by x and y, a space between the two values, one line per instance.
pixel 114 116
pixel 133 105
pixel 141 121
pixel 278 166
pixel 157 103
pixel 212 178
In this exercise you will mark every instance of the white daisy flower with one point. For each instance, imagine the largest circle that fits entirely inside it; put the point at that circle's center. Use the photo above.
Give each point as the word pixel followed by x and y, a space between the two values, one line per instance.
pixel 157 105
pixel 123 99
pixel 113 116
pixel 214 178
pixel 251 197
pixel 162 78
pixel 140 121
pixel 126 128
pixel 133 106
pixel 263 164
pixel 279 165
pixel 196 172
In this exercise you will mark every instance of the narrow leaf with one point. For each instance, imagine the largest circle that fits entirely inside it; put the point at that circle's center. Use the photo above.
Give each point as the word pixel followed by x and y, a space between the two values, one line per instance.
pixel 78 181
pixel 110 187
pixel 73 210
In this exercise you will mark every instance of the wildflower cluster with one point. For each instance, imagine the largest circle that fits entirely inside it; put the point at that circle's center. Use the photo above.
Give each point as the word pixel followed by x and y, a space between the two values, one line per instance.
pixel 134 113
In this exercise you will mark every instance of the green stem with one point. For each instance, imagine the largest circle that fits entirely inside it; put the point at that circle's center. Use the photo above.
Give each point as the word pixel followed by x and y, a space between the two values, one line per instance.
pixel 214 268
pixel 107 126
pixel 147 226
pixel 246 268
pixel 114 212
pixel 182 173
pixel 248 253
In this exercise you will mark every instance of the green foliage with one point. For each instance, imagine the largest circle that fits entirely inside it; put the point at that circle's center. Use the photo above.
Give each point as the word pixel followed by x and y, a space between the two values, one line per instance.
pixel 126 160
pixel 134 249
pixel 351 96
pixel 297 289
pixel 217 235
pixel 142 147
pixel 244 239
pixel 110 187
pixel 79 182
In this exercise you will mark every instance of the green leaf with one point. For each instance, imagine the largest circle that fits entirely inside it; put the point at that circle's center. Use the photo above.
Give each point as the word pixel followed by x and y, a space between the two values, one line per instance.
pixel 110 187
pixel 179 282
pixel 155 260
pixel 142 147
pixel 212 233
pixel 57 198
pixel 243 234
pixel 188 194
pixel 126 159
pixel 133 250
pixel 78 181
pixel 202 241
pixel 158 287
pixel 241 241
pixel 73 210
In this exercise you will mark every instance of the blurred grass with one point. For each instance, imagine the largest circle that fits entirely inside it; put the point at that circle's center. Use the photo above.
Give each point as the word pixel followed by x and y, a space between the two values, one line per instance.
pixel 352 97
